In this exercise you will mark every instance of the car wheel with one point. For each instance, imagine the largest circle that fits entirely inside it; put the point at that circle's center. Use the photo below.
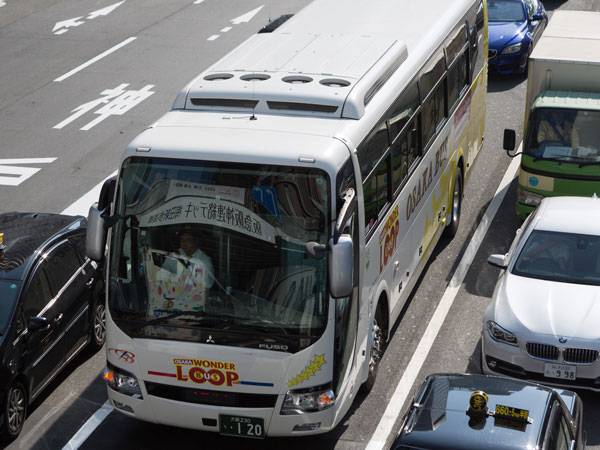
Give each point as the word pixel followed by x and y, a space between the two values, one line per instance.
pixel 457 196
pixel 98 324
pixel 15 411
pixel 378 344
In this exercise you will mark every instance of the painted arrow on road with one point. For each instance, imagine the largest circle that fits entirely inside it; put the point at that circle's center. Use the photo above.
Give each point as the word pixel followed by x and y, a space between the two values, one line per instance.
pixel 63 26
pixel 104 11
pixel 245 18
pixel 12 174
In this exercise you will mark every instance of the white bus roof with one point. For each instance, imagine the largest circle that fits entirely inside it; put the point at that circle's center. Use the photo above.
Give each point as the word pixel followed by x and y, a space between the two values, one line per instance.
pixel 326 61
pixel 570 36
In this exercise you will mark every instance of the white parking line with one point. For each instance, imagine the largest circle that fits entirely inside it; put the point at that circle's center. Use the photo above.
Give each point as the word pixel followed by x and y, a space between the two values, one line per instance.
pixel 88 427
pixel 95 59
pixel 81 206
pixel 396 402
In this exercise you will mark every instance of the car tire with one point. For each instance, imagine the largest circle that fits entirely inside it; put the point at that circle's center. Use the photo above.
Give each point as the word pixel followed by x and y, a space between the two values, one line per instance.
pixel 378 344
pixel 98 325
pixel 456 205
pixel 15 411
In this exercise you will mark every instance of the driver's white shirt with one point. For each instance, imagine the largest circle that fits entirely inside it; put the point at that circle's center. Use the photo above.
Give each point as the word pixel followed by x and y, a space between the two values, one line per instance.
pixel 200 257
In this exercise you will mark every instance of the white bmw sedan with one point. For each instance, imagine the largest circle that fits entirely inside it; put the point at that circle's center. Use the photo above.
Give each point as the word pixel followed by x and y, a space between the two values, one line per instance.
pixel 544 321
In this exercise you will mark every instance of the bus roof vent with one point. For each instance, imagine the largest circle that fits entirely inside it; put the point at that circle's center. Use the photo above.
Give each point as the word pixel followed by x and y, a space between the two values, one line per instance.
pixel 305 74
pixel 218 76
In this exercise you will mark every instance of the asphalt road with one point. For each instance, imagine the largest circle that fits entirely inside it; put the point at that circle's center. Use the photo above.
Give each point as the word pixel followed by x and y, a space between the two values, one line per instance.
pixel 41 118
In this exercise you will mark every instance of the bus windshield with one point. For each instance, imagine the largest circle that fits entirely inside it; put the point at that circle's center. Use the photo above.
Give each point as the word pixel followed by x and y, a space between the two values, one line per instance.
pixel 202 248
pixel 566 135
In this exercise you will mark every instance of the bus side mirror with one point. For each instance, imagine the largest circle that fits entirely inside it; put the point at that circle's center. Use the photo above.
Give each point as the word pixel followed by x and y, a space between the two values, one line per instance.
pixel 97 223
pixel 509 141
pixel 341 264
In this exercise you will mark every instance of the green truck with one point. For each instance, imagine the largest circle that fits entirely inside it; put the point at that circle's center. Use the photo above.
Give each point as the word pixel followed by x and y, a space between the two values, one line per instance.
pixel 560 153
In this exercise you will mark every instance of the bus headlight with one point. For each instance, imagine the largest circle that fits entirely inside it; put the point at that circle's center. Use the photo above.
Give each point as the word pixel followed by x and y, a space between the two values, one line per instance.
pixel 307 400
pixel 122 381
pixel 529 198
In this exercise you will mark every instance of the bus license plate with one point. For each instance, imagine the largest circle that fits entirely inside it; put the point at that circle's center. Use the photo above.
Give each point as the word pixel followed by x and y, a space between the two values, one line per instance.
pixel 561 371
pixel 250 427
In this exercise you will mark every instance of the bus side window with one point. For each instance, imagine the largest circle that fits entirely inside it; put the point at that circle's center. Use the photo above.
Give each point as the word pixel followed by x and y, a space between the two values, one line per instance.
pixel 458 72
pixel 372 148
pixel 403 109
pixel 431 88
pixel 405 152
pixel 375 191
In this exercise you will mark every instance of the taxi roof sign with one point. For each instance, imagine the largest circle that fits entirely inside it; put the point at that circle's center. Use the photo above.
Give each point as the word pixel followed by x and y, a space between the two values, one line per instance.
pixel 478 403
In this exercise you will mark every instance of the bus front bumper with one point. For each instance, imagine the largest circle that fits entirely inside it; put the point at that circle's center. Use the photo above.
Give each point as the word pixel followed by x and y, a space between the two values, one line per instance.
pixel 206 417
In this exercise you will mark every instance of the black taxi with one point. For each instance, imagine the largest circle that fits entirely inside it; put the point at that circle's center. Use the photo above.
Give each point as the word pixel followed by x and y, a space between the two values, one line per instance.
pixel 51 306
pixel 458 411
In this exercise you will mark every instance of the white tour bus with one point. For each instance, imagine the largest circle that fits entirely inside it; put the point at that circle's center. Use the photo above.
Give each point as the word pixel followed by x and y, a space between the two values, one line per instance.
pixel 265 233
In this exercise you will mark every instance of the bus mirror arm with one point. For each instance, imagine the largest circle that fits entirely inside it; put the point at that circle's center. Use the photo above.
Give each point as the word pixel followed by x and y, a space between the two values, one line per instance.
pixel 99 221
pixel 348 207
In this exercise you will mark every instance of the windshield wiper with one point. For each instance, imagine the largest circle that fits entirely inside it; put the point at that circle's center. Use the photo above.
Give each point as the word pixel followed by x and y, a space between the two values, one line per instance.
pixel 196 314
pixel 264 323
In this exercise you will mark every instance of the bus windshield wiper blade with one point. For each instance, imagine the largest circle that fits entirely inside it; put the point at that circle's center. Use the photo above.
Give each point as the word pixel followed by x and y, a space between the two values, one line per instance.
pixel 264 323
pixel 175 314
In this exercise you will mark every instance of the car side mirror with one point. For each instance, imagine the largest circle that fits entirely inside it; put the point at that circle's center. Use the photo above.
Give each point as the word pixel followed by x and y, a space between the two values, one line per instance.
pixel 498 261
pixel 509 141
pixel 37 323
pixel 341 264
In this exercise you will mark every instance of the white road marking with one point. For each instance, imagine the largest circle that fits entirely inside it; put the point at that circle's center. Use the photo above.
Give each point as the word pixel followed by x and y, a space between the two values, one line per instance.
pixel 63 26
pixel 88 427
pixel 244 18
pixel 11 174
pixel 81 206
pixel 396 402
pixel 95 59
pixel 116 102
pixel 213 37
pixel 104 11
pixel 226 29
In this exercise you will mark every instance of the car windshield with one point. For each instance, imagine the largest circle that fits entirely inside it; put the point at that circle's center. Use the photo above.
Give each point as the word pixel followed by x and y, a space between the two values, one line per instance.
pixel 8 295
pixel 203 245
pixel 505 11
pixel 566 135
pixel 563 257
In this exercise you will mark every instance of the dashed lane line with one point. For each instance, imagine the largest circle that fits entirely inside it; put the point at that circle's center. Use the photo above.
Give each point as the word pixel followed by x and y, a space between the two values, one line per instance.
pixel 396 402
pixel 95 59
pixel 81 206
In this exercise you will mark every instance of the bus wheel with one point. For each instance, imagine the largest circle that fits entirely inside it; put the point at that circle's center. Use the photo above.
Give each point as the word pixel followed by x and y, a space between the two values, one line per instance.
pixel 377 348
pixel 15 411
pixel 457 196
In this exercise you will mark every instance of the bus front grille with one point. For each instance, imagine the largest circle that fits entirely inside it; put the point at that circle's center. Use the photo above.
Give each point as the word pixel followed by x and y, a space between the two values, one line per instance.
pixel 210 397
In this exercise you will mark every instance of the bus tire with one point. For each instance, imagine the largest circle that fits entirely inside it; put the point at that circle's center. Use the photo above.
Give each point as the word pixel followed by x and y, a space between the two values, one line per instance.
pixel 378 344
pixel 456 205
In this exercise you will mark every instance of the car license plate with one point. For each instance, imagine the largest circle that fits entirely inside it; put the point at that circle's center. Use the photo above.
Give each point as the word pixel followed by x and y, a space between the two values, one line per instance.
pixel 561 371
pixel 250 427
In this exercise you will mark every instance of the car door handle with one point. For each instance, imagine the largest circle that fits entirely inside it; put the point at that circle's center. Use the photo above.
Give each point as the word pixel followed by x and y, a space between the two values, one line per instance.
pixel 58 319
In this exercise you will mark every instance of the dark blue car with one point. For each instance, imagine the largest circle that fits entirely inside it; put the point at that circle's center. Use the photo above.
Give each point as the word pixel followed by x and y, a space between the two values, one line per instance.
pixel 514 28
